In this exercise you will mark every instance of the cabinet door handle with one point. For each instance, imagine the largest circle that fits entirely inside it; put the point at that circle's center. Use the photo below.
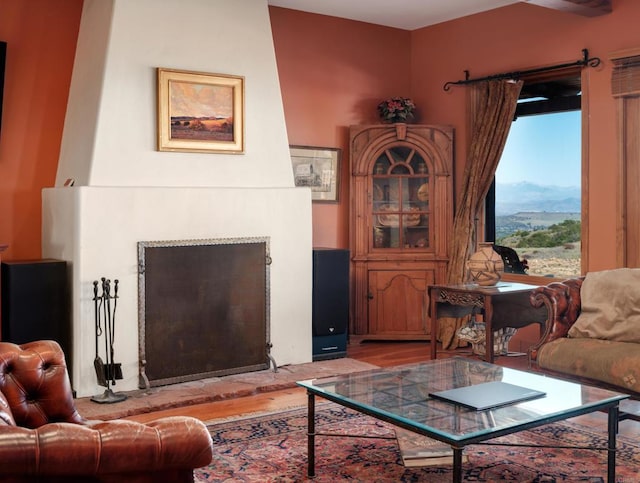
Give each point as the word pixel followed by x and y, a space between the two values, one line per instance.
pixel 370 295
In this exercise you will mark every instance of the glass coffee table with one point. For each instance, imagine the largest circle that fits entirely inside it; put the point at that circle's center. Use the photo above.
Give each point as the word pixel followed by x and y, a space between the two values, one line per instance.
pixel 400 396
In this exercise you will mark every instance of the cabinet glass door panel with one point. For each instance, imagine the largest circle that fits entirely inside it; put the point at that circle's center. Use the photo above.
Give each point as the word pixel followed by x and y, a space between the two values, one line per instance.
pixel 400 200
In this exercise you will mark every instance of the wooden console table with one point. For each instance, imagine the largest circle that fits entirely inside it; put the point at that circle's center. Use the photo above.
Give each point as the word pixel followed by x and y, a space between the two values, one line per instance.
pixel 503 305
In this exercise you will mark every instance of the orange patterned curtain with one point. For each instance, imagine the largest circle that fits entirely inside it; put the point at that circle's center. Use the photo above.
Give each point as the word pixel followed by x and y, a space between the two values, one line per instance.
pixel 493 105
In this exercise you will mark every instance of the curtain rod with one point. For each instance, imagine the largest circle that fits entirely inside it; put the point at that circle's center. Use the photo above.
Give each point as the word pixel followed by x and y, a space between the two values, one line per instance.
pixel 584 62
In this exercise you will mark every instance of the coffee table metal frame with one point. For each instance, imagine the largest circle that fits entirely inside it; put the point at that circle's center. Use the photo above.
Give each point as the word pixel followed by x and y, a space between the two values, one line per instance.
pixel 399 396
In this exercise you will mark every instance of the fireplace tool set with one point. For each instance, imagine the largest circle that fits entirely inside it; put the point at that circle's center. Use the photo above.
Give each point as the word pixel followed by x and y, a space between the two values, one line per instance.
pixel 105 326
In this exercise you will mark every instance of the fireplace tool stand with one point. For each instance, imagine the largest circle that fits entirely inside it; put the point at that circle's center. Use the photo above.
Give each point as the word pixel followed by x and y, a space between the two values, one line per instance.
pixel 105 324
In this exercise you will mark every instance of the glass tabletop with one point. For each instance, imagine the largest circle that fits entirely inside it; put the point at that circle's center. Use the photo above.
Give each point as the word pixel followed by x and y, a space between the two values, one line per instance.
pixel 401 395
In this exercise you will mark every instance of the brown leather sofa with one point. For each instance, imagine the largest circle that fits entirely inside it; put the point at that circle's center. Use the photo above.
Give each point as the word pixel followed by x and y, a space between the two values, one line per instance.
pixel 43 438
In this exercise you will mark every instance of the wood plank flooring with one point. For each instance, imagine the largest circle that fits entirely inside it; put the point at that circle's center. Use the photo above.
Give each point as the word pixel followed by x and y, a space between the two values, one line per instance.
pixel 379 353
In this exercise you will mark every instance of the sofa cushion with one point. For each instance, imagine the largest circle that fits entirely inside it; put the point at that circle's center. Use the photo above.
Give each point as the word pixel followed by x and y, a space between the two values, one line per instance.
pixel 610 306
pixel 616 363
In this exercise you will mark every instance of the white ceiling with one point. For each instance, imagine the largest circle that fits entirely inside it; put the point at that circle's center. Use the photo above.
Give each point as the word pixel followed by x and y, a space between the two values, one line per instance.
pixel 402 14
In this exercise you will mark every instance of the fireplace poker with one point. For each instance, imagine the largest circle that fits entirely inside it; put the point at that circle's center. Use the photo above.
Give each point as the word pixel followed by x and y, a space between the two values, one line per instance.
pixel 107 324
pixel 113 370
pixel 112 328
pixel 98 363
pixel 109 338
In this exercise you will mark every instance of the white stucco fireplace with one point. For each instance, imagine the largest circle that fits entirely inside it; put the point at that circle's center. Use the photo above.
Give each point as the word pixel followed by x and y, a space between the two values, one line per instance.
pixel 124 190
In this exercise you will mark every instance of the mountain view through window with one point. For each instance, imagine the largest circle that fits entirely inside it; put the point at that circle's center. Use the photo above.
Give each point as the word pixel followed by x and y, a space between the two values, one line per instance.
pixel 538 193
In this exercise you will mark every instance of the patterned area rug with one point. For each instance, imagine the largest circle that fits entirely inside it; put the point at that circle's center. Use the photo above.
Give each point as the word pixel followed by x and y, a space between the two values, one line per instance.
pixel 273 448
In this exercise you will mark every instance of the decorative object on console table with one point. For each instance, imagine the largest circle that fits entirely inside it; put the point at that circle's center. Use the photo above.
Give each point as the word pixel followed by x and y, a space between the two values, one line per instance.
pixel 512 262
pixel 319 169
pixel 485 266
pixel 396 109
pixel 200 112
pixel 475 334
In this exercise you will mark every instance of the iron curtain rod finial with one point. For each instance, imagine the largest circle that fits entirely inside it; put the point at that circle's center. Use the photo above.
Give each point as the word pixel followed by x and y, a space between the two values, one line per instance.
pixel 586 61
pixel 448 85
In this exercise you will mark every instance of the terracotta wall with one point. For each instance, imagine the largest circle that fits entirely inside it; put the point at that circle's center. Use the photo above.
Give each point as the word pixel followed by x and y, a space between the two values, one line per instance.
pixel 41 37
pixel 522 36
pixel 333 73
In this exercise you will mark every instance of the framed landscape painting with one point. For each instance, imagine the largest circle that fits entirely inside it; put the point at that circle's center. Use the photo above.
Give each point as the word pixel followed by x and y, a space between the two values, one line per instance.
pixel 199 112
pixel 318 168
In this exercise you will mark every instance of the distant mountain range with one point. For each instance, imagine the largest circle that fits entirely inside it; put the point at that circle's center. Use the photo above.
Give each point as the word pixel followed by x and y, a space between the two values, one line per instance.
pixel 527 197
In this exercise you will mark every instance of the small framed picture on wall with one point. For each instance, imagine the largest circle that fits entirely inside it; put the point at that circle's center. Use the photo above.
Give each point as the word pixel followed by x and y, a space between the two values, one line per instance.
pixel 319 169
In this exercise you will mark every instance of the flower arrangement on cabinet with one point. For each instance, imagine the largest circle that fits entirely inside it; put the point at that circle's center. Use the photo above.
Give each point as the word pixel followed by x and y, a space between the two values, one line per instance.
pixel 396 109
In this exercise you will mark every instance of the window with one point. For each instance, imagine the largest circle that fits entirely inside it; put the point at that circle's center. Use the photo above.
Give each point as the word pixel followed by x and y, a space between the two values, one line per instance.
pixel 534 206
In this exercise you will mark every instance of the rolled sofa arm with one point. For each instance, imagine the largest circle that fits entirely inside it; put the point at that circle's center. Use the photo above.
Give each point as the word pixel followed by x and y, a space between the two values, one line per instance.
pixel 127 450
pixel 562 300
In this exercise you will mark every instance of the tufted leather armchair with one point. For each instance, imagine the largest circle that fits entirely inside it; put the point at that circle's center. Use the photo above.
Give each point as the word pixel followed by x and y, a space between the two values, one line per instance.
pixel 43 438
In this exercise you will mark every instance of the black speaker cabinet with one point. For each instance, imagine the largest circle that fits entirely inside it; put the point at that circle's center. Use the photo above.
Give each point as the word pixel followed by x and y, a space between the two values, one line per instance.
pixel 330 303
pixel 35 302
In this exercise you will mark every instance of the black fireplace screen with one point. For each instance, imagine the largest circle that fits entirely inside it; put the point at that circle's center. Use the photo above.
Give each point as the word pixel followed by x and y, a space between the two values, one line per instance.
pixel 203 309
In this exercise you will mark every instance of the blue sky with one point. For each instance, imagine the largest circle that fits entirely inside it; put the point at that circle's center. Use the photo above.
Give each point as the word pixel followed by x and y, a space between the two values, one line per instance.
pixel 544 150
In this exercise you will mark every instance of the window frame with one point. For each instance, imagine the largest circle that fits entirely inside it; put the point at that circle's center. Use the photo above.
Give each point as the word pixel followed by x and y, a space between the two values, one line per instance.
pixel 484 217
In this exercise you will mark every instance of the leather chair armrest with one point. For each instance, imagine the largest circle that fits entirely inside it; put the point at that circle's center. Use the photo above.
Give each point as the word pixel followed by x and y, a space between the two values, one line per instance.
pixel 562 301
pixel 104 448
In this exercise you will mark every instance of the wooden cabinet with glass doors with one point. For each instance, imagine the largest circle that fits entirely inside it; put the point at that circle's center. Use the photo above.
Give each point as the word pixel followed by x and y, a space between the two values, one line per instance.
pixel 401 221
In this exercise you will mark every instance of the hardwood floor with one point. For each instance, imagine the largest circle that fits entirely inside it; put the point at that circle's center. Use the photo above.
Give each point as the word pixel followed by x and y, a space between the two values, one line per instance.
pixel 379 353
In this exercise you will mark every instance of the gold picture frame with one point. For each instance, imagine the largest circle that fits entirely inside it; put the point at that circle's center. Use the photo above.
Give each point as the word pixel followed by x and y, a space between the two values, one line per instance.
pixel 200 112
pixel 318 168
